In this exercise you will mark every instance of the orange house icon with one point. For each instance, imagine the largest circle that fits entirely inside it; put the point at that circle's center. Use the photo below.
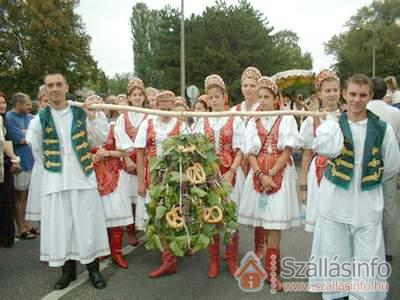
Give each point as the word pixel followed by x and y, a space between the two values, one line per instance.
pixel 251 275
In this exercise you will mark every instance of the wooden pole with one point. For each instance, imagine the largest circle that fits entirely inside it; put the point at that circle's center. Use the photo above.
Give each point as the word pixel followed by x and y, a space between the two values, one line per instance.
pixel 185 114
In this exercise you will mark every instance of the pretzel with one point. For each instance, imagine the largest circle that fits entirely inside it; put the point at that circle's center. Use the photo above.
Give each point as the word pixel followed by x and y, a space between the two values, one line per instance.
pixel 183 149
pixel 196 174
pixel 210 218
pixel 174 218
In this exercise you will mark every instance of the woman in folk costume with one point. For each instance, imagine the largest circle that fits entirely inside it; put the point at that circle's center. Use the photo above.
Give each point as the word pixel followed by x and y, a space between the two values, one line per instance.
pixel 151 135
pixel 225 133
pixel 33 202
pixel 269 196
pixel 363 153
pixel 327 84
pixel 248 84
pixel 127 126
pixel 113 190
pixel 181 106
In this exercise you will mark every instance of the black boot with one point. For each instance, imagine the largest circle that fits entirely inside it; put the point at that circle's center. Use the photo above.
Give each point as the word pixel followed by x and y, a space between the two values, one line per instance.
pixel 68 275
pixel 95 276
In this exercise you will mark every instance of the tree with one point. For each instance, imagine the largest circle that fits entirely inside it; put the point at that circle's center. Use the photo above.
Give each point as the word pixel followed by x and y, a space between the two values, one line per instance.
pixel 38 36
pixel 353 48
pixel 119 83
pixel 224 39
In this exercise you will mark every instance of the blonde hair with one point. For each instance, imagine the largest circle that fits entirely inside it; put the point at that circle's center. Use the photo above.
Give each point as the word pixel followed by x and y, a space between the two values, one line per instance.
pixel 391 82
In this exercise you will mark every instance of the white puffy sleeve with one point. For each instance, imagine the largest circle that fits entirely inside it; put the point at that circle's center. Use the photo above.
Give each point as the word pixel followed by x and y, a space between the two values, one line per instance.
pixel 141 137
pixel 307 133
pixel 238 131
pixel 391 154
pixel 97 129
pixel 329 138
pixel 34 138
pixel 288 133
pixel 122 140
pixel 251 143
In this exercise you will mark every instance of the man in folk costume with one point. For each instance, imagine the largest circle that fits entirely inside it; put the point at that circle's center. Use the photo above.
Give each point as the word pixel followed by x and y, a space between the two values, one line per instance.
pixel 108 166
pixel 269 194
pixel 72 218
pixel 127 126
pixel 225 134
pixel 248 84
pixel 363 152
pixel 313 166
pixel 150 137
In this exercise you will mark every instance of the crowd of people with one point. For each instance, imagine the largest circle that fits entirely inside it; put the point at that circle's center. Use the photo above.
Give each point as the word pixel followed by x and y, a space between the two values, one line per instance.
pixel 84 173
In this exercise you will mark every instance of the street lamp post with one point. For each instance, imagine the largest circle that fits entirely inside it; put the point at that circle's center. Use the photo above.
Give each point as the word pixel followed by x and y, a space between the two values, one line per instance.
pixel 373 29
pixel 183 79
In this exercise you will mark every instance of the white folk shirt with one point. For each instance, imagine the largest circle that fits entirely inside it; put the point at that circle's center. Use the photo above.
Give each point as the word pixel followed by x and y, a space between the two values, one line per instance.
pixel 217 123
pixel 242 105
pixel 386 113
pixel 354 206
pixel 162 129
pixel 288 135
pixel 72 176
pixel 123 142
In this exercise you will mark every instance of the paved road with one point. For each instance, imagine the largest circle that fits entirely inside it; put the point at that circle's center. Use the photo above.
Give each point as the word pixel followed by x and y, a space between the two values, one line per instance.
pixel 22 276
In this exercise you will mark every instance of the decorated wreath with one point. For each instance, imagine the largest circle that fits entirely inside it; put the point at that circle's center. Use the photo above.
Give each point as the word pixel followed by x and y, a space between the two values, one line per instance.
pixel 295 82
pixel 189 200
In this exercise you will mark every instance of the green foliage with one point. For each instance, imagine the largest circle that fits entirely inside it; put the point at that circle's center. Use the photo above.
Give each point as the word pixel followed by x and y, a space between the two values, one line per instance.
pixel 225 39
pixel 169 182
pixel 119 83
pixel 353 48
pixel 38 36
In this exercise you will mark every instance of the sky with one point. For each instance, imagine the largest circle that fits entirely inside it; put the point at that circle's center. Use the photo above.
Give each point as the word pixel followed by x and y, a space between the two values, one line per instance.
pixel 315 22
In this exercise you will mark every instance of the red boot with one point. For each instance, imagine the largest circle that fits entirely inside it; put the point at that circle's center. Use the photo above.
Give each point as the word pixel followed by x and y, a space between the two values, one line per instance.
pixel 259 241
pixel 131 230
pixel 213 258
pixel 232 254
pixel 168 265
pixel 272 266
pixel 116 247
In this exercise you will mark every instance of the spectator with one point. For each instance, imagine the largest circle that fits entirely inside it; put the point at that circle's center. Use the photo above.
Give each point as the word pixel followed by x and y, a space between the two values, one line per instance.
pixel 17 122
pixel 391 116
pixel 287 103
pixel 8 166
pixel 312 103
pixel 35 108
pixel 392 94
pixel 43 97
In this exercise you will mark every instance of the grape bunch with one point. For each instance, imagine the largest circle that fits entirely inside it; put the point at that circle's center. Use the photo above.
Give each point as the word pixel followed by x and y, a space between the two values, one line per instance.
pixel 197 157
pixel 185 187
pixel 160 176
pixel 186 202
pixel 211 183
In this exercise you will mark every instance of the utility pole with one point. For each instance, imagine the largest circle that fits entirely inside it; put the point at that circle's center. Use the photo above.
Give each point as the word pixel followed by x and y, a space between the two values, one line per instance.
pixel 183 79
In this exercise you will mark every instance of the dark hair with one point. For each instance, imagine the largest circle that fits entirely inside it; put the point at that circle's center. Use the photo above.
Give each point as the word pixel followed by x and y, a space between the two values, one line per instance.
pixel 359 79
pixel 3 95
pixel 19 98
pixel 54 72
pixel 202 102
pixel 379 87
pixel 35 107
